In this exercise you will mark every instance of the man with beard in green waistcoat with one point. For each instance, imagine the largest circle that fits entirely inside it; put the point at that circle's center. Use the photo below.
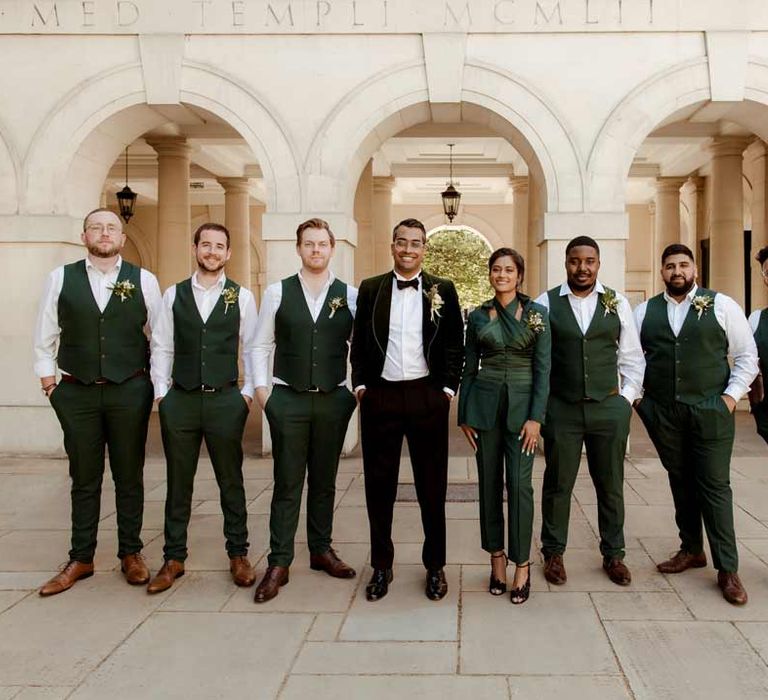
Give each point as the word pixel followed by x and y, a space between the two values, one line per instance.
pixel 597 372
pixel 195 372
pixel 306 320
pixel 691 392
pixel 97 311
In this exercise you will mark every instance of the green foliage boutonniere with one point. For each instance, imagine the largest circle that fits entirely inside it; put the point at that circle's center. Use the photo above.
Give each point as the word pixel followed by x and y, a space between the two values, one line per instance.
pixel 231 295
pixel 610 302
pixel 435 301
pixel 535 322
pixel 335 304
pixel 123 289
pixel 701 303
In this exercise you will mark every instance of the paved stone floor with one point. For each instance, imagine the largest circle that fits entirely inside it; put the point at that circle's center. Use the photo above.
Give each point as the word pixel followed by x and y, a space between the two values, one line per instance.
pixel 662 637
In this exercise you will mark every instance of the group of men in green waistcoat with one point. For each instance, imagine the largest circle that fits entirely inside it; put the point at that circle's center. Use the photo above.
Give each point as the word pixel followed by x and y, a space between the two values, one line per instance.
pixel 117 343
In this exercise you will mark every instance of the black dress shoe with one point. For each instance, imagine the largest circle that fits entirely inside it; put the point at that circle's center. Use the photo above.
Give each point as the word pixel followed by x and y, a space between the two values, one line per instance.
pixel 437 586
pixel 378 586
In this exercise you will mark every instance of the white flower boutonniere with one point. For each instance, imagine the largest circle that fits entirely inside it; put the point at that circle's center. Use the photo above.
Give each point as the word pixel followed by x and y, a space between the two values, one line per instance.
pixel 535 322
pixel 702 303
pixel 435 302
pixel 231 295
pixel 123 289
pixel 335 304
pixel 610 302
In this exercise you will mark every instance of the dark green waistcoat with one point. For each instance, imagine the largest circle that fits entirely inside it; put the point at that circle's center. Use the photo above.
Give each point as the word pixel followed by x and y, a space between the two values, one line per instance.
pixel 205 353
pixel 308 353
pixel 690 367
pixel 761 340
pixel 584 365
pixel 93 344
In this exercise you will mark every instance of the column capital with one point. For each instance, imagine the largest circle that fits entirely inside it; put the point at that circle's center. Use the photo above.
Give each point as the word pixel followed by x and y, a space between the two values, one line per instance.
pixel 174 146
pixel 383 184
pixel 235 185
pixel 724 146
pixel 519 184
pixel 669 185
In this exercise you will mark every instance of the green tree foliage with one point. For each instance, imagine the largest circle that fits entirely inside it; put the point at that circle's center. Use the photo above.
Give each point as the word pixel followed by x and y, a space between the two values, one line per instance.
pixel 461 256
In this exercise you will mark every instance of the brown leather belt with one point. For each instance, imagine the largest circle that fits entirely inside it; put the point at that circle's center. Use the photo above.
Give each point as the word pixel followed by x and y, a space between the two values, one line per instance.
pixel 70 379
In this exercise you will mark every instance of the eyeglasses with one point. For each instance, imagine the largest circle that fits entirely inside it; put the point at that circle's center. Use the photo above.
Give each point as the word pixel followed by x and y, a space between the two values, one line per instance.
pixel 402 244
pixel 99 228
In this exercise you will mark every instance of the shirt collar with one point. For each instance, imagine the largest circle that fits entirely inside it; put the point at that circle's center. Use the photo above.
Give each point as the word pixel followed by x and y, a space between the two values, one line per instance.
pixel 327 284
pixel 219 284
pixel 90 266
pixel 688 297
pixel 398 276
pixel 565 290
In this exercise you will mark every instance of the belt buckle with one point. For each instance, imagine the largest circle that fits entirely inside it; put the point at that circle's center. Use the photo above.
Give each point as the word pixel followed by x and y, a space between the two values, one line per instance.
pixel 100 381
pixel 207 389
pixel 313 390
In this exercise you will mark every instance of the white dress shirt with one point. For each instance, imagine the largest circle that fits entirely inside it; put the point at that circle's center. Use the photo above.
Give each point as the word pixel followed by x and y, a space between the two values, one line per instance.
pixel 205 299
pixel 741 343
pixel 47 329
pixel 405 349
pixel 631 359
pixel 264 343
pixel 754 320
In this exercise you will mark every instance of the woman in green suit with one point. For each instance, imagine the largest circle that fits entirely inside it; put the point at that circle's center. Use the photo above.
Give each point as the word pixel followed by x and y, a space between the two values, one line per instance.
pixel 502 402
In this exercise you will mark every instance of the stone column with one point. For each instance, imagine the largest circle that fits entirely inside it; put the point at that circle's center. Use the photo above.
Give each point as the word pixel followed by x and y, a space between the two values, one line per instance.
pixel 536 277
pixel 237 220
pixel 726 242
pixel 364 252
pixel 382 223
pixel 759 223
pixel 667 225
pixel 174 238
pixel 519 186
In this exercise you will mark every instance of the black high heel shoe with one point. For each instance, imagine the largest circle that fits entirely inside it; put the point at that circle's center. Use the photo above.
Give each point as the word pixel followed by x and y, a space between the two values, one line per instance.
pixel 519 595
pixel 495 586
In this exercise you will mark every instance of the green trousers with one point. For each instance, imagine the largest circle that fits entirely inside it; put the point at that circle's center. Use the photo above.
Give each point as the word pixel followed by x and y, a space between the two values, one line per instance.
pixel 308 430
pixel 496 448
pixel 760 414
pixel 602 427
pixel 186 419
pixel 95 417
pixel 695 445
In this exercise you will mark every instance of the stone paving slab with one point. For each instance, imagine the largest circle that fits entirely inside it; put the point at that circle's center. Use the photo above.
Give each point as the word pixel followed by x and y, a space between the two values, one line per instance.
pixel 405 614
pixel 571 687
pixel 376 658
pixel 756 633
pixel 640 606
pixel 9 598
pixel 388 687
pixel 671 660
pixel 553 633
pixel 78 630
pixel 326 627
pixel 57 693
pixel 152 663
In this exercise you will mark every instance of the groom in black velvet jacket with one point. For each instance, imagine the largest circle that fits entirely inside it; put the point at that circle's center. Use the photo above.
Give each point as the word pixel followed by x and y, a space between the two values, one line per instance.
pixel 407 353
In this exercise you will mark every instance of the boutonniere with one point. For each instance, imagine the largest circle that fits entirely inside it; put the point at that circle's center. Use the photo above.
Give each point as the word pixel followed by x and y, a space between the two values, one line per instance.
pixel 535 321
pixel 435 302
pixel 610 302
pixel 123 289
pixel 701 303
pixel 231 295
pixel 335 304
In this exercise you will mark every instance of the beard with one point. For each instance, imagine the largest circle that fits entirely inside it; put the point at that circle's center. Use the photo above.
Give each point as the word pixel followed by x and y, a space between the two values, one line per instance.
pixel 679 287
pixel 97 252
pixel 211 265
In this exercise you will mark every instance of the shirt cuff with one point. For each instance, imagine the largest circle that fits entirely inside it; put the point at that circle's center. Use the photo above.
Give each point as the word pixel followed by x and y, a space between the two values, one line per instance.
pixel 736 391
pixel 160 391
pixel 631 394
pixel 357 388
pixel 247 390
pixel 449 391
pixel 45 368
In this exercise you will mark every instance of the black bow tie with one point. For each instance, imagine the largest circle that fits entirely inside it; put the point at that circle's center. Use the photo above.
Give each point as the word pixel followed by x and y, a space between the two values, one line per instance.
pixel 404 284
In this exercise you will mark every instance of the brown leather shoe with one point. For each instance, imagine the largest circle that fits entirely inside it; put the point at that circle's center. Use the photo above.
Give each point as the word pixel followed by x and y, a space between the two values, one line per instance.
pixel 733 590
pixel 269 586
pixel 331 564
pixel 681 561
pixel 554 569
pixel 66 578
pixel 134 569
pixel 169 572
pixel 617 571
pixel 242 572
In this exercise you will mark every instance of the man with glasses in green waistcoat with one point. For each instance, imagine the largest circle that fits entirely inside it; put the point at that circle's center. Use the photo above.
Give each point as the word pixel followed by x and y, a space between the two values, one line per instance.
pixel 306 321
pixel 195 372
pixel 691 392
pixel 597 373
pixel 93 324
